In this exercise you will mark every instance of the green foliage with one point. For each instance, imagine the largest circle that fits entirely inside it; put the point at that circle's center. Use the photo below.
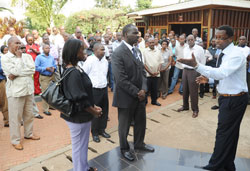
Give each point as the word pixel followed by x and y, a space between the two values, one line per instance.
pixel 108 3
pixel 5 9
pixel 97 19
pixel 143 4
pixel 43 13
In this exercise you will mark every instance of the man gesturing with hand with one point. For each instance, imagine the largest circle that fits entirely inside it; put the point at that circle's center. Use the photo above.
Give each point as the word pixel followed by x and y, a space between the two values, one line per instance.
pixel 230 76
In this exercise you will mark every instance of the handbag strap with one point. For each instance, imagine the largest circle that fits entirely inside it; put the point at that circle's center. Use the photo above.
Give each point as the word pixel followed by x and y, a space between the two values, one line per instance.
pixel 66 75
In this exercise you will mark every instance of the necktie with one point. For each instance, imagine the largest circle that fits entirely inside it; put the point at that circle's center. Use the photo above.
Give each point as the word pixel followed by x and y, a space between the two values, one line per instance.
pixel 218 65
pixel 134 53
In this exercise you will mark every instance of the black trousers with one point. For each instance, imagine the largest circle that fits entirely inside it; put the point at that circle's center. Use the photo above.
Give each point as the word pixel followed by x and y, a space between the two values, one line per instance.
pixel 231 112
pixel 152 83
pixel 101 99
pixel 137 113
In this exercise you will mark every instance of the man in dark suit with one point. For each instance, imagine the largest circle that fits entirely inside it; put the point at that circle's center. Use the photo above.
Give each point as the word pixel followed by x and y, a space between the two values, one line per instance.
pixel 129 91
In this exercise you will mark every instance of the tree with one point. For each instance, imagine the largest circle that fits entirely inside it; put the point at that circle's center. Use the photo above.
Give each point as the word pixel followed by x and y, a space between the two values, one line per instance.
pixel 108 4
pixel 97 19
pixel 43 13
pixel 143 4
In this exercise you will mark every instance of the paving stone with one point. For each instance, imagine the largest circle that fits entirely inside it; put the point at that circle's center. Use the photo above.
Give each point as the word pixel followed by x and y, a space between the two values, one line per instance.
pixel 35 167
pixel 58 163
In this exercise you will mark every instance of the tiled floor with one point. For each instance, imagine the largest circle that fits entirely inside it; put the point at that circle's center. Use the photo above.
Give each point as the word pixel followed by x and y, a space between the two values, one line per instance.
pixel 163 159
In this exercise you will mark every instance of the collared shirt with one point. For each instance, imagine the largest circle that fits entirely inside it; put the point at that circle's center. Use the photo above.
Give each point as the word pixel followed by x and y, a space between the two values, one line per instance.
pixel 179 53
pixel 130 48
pixel 23 68
pixel 245 50
pixel 97 71
pixel 42 62
pixel 110 49
pixel 158 46
pixel 30 52
pixel 166 54
pixel 152 59
pixel 231 73
pixel 198 53
pixel 116 44
pixel 2 76
pixel 53 51
pixel 212 50
pixel 198 40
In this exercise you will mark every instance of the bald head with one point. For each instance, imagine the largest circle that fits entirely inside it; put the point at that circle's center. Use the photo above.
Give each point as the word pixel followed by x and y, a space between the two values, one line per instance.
pixel 190 40
pixel 151 43
pixel 14 44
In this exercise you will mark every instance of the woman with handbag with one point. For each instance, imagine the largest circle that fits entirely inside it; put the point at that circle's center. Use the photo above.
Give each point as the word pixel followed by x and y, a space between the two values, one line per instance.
pixel 77 88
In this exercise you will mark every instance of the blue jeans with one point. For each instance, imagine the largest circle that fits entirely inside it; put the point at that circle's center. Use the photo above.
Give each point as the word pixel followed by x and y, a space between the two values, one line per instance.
pixel 174 81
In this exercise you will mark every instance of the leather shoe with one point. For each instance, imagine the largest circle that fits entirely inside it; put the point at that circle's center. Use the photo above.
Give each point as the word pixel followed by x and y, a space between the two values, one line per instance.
pixel 39 117
pixel 33 137
pixel 47 113
pixel 96 138
pixel 128 155
pixel 215 107
pixel 156 103
pixel 146 148
pixel 181 109
pixel 195 114
pixel 207 167
pixel 18 146
pixel 201 95
pixel 6 125
pixel 105 134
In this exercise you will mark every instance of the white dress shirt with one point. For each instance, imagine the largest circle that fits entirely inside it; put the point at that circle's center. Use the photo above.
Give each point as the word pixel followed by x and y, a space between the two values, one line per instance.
pixel 23 68
pixel 97 71
pixel 231 73
pixel 198 53
pixel 245 50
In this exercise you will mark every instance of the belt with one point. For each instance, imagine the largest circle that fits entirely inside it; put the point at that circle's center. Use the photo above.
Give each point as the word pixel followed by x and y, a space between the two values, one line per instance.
pixel 232 95
pixel 46 75
pixel 99 88
pixel 189 68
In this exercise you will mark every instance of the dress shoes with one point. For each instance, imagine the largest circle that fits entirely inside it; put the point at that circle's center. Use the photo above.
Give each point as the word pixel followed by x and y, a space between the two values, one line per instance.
pixel 105 134
pixel 128 155
pixel 39 117
pixel 96 138
pixel 33 137
pixel 145 148
pixel 156 103
pixel 6 125
pixel 18 146
pixel 207 167
pixel 182 109
pixel 215 107
pixel 195 114
pixel 47 113
pixel 201 95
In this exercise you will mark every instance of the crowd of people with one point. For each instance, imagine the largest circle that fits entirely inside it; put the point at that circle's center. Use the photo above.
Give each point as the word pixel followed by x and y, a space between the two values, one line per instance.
pixel 133 67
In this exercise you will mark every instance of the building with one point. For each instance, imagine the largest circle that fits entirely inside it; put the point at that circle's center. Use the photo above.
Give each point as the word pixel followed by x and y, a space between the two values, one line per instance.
pixel 205 15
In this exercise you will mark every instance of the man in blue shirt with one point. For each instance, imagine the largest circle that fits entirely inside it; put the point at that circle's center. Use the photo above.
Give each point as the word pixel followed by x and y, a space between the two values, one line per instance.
pixel 46 66
pixel 3 98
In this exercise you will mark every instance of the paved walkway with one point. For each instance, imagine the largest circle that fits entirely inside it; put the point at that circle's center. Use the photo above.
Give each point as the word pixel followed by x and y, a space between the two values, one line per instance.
pixel 54 135
pixel 165 128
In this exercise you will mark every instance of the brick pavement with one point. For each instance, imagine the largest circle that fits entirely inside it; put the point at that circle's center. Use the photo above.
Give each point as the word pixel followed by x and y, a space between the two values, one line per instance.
pixel 54 134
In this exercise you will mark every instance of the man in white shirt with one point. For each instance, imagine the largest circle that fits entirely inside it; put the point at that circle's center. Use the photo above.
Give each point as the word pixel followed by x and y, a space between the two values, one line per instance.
pixel 197 39
pixel 19 69
pixel 96 66
pixel 190 87
pixel 118 41
pixel 152 62
pixel 12 32
pixel 232 87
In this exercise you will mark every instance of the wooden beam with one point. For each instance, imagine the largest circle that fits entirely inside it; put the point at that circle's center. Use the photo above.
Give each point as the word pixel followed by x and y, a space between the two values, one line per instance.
pixel 209 26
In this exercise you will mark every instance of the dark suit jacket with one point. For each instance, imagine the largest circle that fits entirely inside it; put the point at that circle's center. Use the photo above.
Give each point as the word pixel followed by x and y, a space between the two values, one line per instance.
pixel 129 76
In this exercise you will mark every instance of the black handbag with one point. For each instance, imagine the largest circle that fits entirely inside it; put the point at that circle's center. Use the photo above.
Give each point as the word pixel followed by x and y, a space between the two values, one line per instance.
pixel 54 96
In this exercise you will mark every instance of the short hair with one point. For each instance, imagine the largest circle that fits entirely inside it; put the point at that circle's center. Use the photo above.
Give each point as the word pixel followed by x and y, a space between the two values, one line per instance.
pixel 44 34
pixel 45 44
pixel 97 45
pixel 29 35
pixel 70 51
pixel 127 28
pixel 155 33
pixel 164 40
pixel 3 47
pixel 228 29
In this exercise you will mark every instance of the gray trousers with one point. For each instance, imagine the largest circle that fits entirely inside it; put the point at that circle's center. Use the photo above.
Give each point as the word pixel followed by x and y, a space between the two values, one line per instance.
pixel 163 82
pixel 190 88
pixel 80 139
pixel 20 108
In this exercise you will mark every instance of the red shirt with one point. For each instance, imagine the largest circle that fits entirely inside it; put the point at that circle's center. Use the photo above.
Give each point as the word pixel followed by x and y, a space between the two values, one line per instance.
pixel 30 52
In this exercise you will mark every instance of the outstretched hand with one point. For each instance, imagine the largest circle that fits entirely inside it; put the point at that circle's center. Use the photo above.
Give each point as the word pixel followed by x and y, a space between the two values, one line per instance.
pixel 190 62
pixel 201 79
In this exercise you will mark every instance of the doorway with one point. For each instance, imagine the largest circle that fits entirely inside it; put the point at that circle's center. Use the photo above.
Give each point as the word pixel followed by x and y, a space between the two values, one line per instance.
pixel 185 28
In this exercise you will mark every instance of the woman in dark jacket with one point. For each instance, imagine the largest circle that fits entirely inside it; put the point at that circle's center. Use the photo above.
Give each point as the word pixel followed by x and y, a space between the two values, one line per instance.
pixel 77 87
